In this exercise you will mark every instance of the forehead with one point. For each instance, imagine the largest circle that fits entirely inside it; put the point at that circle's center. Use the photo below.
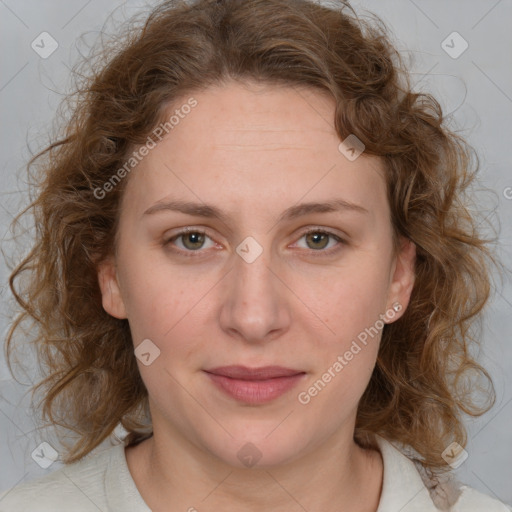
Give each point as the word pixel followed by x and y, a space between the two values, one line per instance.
pixel 256 142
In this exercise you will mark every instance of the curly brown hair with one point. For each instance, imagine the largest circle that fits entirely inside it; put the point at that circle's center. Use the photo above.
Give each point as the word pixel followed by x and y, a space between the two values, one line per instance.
pixel 419 388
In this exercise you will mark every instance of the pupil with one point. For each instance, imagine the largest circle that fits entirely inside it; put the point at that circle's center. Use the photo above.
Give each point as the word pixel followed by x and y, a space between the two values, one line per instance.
pixel 317 236
pixel 197 239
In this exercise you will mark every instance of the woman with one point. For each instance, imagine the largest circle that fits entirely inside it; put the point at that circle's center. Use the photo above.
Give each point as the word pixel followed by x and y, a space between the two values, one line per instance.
pixel 253 254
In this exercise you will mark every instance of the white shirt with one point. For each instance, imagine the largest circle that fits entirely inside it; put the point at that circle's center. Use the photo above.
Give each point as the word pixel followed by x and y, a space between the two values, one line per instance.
pixel 101 481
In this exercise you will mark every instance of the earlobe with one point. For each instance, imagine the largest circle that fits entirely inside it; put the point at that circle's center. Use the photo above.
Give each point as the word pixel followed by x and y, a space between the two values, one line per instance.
pixel 403 278
pixel 110 291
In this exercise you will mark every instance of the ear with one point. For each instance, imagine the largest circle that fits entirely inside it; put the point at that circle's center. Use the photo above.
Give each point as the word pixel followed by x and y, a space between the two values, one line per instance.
pixel 403 279
pixel 110 291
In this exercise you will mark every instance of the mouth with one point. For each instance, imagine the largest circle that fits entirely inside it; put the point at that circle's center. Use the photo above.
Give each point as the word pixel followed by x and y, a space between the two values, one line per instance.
pixel 254 385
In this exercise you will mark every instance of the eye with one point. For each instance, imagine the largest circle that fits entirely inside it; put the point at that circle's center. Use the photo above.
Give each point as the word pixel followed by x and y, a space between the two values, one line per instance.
pixel 190 240
pixel 318 239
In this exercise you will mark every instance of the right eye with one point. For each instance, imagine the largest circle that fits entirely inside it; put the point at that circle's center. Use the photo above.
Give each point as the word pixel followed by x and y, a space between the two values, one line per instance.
pixel 191 240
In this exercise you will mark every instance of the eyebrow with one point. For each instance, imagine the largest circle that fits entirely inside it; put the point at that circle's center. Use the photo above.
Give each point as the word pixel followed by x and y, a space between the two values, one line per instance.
pixel 210 211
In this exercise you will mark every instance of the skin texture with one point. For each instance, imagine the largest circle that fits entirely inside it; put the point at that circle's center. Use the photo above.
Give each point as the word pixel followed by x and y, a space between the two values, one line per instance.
pixel 253 151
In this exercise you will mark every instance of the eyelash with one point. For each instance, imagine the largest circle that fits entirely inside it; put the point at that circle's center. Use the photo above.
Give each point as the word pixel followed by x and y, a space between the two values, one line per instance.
pixel 320 252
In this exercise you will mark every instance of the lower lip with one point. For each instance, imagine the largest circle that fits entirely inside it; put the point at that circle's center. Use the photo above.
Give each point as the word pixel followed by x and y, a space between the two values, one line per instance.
pixel 255 391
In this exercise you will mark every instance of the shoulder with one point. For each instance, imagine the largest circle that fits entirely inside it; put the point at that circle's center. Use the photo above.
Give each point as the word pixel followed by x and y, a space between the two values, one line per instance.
pixel 451 495
pixel 79 487
pixel 471 500
pixel 408 486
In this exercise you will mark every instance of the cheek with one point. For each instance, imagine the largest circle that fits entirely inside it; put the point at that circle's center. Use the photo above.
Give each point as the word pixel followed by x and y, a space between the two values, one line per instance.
pixel 351 303
pixel 347 299
pixel 170 309
pixel 157 297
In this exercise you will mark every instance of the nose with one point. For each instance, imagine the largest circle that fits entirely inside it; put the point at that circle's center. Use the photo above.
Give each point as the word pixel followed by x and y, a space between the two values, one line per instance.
pixel 255 303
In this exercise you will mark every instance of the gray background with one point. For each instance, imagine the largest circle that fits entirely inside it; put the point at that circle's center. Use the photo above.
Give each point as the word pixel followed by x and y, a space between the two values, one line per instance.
pixel 476 87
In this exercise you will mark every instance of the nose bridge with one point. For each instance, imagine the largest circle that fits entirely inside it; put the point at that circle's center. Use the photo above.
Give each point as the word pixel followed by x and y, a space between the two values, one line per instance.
pixel 253 275
pixel 255 303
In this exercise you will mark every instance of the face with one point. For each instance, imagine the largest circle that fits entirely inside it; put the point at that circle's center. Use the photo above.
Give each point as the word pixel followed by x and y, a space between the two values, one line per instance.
pixel 256 310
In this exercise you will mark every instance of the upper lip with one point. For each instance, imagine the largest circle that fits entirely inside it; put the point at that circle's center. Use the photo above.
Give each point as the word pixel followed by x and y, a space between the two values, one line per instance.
pixel 261 373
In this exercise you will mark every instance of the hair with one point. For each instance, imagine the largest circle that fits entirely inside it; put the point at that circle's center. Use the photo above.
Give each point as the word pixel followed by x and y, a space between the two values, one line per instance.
pixel 423 381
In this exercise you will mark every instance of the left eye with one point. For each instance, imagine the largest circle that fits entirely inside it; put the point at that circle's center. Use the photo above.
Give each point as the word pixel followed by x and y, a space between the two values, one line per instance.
pixel 318 239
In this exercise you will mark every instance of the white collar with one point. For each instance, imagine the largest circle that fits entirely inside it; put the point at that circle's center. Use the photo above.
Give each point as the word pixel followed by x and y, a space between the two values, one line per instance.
pixel 403 487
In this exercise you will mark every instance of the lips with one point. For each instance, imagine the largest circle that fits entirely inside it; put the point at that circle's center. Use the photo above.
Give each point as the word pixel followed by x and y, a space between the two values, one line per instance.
pixel 262 373
pixel 254 385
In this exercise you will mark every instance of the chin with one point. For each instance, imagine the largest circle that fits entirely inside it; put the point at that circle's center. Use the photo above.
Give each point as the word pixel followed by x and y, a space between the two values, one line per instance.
pixel 258 448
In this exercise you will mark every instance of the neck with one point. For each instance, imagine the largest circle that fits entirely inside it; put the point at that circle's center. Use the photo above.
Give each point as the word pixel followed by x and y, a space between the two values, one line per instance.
pixel 338 473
